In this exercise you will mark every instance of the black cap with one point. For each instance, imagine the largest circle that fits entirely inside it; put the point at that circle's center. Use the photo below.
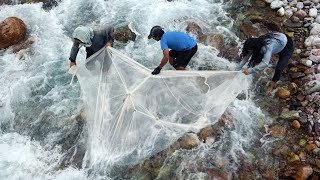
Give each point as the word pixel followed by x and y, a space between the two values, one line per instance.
pixel 156 31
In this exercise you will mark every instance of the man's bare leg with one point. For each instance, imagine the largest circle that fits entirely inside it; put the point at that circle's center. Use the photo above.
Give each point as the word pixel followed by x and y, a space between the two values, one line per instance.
pixel 180 68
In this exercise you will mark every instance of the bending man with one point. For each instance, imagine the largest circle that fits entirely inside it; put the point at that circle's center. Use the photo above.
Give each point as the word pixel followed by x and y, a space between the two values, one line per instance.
pixel 182 46
pixel 92 38
pixel 261 50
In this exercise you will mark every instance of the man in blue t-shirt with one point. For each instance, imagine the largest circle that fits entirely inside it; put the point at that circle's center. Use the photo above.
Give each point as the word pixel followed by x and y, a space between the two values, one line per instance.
pixel 182 46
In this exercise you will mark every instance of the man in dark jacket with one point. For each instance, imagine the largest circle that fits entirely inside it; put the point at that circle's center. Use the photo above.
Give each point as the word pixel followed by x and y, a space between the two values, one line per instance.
pixel 92 38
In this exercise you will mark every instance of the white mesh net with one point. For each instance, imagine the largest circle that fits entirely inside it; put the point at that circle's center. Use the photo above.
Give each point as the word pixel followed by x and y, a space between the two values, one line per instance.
pixel 132 114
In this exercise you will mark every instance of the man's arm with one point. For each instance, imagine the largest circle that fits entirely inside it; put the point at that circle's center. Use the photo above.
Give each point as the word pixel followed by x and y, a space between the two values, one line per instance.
pixel 244 60
pixel 73 54
pixel 165 58
pixel 110 35
pixel 263 64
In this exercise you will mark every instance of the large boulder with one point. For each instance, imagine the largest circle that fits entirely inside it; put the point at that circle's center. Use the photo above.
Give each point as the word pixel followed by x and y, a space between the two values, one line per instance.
pixel 12 31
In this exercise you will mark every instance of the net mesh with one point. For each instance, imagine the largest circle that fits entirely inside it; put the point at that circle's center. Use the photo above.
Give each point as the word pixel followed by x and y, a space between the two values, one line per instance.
pixel 132 114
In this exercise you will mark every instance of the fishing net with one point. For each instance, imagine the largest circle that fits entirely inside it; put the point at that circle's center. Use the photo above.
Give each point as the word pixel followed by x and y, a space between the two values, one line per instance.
pixel 132 114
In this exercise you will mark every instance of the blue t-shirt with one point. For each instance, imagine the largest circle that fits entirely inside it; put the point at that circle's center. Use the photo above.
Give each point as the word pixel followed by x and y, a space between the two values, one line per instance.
pixel 178 41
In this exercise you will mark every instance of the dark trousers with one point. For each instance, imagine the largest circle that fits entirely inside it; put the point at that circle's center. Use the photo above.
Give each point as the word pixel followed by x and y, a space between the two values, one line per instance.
pixel 90 52
pixel 284 57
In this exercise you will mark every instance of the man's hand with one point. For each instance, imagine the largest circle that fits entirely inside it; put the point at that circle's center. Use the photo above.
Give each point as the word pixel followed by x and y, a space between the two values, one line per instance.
pixel 156 71
pixel 270 88
pixel 245 71
pixel 72 64
pixel 108 45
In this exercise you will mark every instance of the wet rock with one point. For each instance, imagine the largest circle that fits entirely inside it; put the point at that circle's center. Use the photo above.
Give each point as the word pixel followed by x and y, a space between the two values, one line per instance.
pixel 310 87
pixel 316 151
pixel 194 28
pixel 290 115
pixel 217 174
pixel 309 71
pixel 301 14
pixel 311 147
pixel 299 172
pixel 12 31
pixel 23 45
pixel 283 93
pixel 290 24
pixel 206 132
pixel 124 34
pixel 297 75
pixel 47 4
pixel 315 29
pixel 293 70
pixel 313 12
pixel 311 41
pixel 188 141
pixel 302 156
pixel 281 150
pixel 317 128
pixel 303 142
pixel 308 110
pixel 276 4
pixel 270 174
pixel 281 12
pixel 293 88
pixel 215 40
pixel 300 97
pixel 293 158
pixel 296 124
pixel 249 31
pixel 278 131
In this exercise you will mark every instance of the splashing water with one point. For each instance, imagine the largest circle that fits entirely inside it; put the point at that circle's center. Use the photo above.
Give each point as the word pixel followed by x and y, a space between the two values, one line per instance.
pixel 40 108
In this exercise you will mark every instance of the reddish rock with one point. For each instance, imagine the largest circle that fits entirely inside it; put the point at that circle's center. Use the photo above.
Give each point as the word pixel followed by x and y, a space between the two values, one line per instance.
pixel 249 31
pixel 299 172
pixel 12 30
pixel 206 132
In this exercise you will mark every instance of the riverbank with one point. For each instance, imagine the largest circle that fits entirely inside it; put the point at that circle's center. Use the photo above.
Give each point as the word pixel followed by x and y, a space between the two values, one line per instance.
pixel 295 102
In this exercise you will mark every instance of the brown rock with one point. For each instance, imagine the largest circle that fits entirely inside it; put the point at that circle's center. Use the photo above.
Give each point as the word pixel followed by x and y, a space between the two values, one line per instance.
pixel 270 174
pixel 217 174
pixel 311 147
pixel 281 150
pixel 194 28
pixel 12 30
pixel 296 124
pixel 278 131
pixel 249 31
pixel 297 75
pixel 299 172
pixel 206 132
pixel 283 93
pixel 215 40
pixel 309 71
pixel 293 88
pixel 124 34
pixel 188 142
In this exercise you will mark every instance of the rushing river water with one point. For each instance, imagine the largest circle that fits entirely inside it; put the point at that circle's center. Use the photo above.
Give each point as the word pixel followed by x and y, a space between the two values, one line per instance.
pixel 40 122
